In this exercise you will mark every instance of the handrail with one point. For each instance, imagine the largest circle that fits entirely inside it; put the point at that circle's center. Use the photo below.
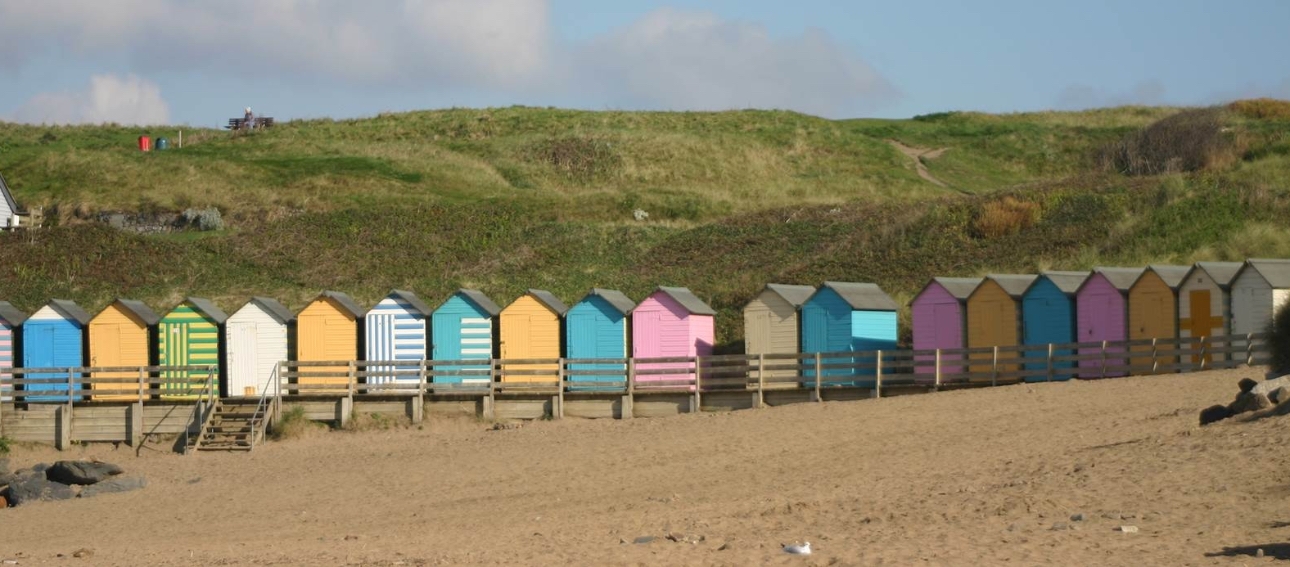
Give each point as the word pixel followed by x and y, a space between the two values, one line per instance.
pixel 264 410
pixel 205 403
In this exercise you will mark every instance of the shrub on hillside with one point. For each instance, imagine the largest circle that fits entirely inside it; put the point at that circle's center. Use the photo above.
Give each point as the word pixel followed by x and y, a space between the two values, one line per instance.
pixel 1262 108
pixel 1005 216
pixel 1192 140
pixel 579 157
pixel 1279 340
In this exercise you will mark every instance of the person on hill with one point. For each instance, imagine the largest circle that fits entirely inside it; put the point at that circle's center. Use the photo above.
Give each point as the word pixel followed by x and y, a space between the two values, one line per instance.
pixel 248 119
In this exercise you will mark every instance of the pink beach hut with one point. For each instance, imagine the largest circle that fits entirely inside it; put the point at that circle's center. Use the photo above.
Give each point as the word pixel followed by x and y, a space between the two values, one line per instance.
pixel 671 322
pixel 938 315
pixel 1102 307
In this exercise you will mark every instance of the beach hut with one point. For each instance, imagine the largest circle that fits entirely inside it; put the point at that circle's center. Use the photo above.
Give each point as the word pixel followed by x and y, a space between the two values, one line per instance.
pixel 1260 288
pixel 671 323
pixel 1153 314
pixel 596 328
pixel 1048 317
pixel 462 330
pixel 11 319
pixel 256 337
pixel 530 329
pixel 939 315
pixel 1204 305
pixel 396 331
pixel 123 334
pixel 847 317
pixel 1102 314
pixel 994 319
pixel 189 335
pixel 328 330
pixel 53 337
pixel 771 323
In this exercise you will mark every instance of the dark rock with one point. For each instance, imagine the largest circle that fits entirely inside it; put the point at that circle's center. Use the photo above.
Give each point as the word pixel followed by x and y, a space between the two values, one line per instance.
pixel 1246 384
pixel 34 488
pixel 1077 517
pixel 40 467
pixel 81 472
pixel 644 539
pixel 726 546
pixel 1248 402
pixel 113 486
pixel 1212 414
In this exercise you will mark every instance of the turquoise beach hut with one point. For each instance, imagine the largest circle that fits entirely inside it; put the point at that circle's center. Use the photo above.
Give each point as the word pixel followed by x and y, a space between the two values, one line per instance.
pixel 596 327
pixel 1048 317
pixel 463 329
pixel 848 317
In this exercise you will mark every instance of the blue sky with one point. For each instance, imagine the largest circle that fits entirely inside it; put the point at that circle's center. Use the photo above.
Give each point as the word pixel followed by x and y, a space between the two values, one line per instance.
pixel 200 62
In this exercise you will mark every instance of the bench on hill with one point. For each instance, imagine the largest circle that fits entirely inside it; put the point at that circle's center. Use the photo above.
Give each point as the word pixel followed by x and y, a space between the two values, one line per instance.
pixel 259 122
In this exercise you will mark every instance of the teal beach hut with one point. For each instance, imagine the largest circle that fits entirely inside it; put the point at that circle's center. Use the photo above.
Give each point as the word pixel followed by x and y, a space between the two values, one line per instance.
pixel 848 317
pixel 463 329
pixel 596 328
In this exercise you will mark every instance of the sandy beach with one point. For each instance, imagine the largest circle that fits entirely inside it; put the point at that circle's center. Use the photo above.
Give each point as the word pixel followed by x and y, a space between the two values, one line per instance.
pixel 981 477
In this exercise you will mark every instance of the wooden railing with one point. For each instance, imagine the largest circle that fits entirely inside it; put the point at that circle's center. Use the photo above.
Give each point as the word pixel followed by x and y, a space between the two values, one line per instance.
pixel 876 370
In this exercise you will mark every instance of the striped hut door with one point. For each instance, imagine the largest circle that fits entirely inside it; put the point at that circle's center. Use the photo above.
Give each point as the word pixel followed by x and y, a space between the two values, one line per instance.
pixel 380 341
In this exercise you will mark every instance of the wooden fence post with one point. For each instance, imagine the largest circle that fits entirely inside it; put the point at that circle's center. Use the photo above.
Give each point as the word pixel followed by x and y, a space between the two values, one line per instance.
pixel 1103 359
pixel 71 385
pixel 559 402
pixel 994 368
pixel 937 386
pixel 1051 368
pixel 1155 361
pixel 698 385
pixel 1204 346
pixel 761 380
pixel 629 400
pixel 421 389
pixel 1249 349
pixel 878 382
pixel 143 376
pixel 818 371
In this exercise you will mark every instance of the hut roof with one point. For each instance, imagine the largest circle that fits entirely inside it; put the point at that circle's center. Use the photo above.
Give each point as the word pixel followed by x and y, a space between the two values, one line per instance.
pixel 1277 272
pixel 615 298
pixel 278 311
pixel 687 299
pixel 140 310
pixel 1067 282
pixel 960 288
pixel 1223 273
pixel 863 296
pixel 207 308
pixel 478 298
pixel 795 295
pixel 1173 275
pixel 549 300
pixel 1121 278
pixel 7 195
pixel 11 314
pixel 412 299
pixel 1014 285
pixel 70 309
pixel 346 302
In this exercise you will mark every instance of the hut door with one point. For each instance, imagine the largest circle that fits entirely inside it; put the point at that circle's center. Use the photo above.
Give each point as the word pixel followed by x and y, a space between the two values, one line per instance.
pixel 1201 323
pixel 243 361
pixel 647 343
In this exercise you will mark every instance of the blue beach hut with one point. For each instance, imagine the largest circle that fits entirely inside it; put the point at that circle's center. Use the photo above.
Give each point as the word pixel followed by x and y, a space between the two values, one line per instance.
pixel 53 337
pixel 596 327
pixel 462 329
pixel 1048 317
pixel 848 317
pixel 396 331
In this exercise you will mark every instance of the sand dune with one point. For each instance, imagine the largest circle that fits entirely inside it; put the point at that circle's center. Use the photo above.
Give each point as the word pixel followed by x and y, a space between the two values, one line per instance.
pixel 984 477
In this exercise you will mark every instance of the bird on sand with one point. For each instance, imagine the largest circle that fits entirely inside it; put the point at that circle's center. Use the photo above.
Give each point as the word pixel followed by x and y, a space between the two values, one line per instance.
pixel 804 549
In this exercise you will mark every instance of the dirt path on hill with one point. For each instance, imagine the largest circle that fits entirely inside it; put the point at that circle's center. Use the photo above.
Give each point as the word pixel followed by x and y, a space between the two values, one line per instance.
pixel 918 155
pixel 980 477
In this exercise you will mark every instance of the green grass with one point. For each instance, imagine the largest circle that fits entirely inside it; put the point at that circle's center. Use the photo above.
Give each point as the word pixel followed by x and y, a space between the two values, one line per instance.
pixel 510 199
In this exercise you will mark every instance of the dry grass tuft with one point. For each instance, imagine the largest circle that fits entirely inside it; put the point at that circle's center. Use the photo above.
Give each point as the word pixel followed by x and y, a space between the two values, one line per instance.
pixel 1262 108
pixel 1191 140
pixel 1004 217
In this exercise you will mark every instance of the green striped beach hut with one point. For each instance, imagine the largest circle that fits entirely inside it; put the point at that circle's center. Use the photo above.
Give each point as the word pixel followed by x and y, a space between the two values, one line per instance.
pixel 189 335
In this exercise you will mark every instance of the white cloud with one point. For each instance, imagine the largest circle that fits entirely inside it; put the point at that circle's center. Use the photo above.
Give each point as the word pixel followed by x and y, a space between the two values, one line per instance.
pixel 108 98
pixel 504 49
pixel 477 42
pixel 695 60
pixel 1083 97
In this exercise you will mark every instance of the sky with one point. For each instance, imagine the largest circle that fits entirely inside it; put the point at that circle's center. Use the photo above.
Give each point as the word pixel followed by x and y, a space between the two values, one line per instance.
pixel 199 62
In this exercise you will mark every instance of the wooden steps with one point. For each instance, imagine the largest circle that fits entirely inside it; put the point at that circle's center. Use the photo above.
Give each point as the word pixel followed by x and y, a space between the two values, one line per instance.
pixel 234 425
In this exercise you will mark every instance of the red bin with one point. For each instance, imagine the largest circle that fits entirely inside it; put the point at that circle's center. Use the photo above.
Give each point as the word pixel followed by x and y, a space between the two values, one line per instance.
pixel 145 144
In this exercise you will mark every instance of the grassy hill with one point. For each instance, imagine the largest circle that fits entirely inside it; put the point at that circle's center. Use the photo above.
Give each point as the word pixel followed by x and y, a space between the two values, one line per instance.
pixel 508 199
